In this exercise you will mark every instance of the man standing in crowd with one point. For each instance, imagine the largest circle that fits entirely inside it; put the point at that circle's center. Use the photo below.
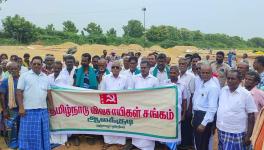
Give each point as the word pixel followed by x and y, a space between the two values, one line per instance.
pixel 161 71
pixel 194 60
pixel 9 103
pixel 85 76
pixel 56 78
pixel 133 70
pixel 48 68
pixel 22 69
pixel 114 81
pixel 220 68
pixel 245 58
pixel 152 61
pixel 182 100
pixel 26 60
pixel 235 115
pixel 252 79
pixel 5 72
pixel 143 80
pixel 243 68
pixel 204 100
pixel 259 67
pixel 33 90
pixel 95 62
pixel 104 54
pixel 125 64
pixel 69 70
pixel 188 80
pixel 102 71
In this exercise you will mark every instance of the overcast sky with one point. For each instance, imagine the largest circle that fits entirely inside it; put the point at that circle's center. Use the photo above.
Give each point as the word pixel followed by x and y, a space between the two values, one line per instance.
pixel 243 18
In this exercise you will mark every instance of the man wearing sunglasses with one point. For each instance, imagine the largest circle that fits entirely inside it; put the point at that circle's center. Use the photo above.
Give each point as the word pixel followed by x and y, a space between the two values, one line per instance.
pixel 114 81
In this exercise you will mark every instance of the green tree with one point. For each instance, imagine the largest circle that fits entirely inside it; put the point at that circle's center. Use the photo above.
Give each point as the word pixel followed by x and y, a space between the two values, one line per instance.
pixel 256 42
pixel 69 26
pixel 19 28
pixel 134 28
pixel 50 29
pixel 111 32
pixel 93 29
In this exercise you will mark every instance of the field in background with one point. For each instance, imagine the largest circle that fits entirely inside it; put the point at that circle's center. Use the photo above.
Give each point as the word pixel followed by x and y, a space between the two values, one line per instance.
pixel 58 50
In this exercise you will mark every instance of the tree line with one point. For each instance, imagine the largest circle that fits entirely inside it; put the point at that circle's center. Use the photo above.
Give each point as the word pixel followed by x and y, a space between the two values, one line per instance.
pixel 18 30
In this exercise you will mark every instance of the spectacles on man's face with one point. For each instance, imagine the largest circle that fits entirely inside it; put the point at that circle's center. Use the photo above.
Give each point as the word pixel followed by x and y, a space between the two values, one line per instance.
pixel 115 67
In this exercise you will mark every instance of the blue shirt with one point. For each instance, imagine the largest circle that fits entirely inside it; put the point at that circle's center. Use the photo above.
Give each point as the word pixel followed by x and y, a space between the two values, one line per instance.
pixel 4 90
pixel 35 88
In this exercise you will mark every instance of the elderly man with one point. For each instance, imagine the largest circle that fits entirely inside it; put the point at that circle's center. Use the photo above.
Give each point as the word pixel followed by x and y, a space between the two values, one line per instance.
pixel 161 71
pixel 252 79
pixel 10 105
pixel 205 100
pixel 47 68
pixel 182 99
pixel 188 80
pixel 102 71
pixel 143 80
pixel 243 68
pixel 33 91
pixel 259 67
pixel 235 114
pixel 56 78
pixel 220 68
pixel 114 81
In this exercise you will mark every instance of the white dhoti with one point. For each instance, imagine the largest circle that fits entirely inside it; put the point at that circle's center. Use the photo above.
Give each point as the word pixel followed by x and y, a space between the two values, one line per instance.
pixel 114 139
pixel 143 144
pixel 211 142
pixel 58 138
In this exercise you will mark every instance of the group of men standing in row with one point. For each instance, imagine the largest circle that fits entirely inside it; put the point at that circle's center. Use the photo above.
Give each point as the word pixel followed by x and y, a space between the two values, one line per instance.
pixel 211 95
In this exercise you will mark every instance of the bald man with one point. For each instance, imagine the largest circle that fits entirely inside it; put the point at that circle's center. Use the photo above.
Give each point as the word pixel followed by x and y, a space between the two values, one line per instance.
pixel 205 101
pixel 102 70
pixel 243 68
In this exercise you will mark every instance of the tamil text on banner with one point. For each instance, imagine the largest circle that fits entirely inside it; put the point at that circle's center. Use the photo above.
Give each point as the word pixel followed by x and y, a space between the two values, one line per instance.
pixel 143 113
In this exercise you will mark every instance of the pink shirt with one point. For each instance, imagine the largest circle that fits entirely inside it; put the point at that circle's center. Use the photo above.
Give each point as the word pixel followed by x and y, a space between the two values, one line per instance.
pixel 258 97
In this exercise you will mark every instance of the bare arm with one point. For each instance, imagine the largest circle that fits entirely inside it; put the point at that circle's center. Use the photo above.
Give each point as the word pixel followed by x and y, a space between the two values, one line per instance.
pixel 19 94
pixel 50 100
pixel 184 108
pixel 2 96
pixel 251 123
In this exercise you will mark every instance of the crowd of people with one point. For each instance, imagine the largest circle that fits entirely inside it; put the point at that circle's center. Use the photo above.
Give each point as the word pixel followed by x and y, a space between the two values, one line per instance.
pixel 213 96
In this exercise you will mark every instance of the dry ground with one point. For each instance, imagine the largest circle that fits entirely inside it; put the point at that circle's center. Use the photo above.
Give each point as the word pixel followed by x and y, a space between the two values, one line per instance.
pixel 59 50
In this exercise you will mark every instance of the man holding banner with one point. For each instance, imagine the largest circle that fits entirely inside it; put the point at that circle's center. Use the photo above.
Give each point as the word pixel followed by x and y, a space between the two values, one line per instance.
pixel 114 81
pixel 144 80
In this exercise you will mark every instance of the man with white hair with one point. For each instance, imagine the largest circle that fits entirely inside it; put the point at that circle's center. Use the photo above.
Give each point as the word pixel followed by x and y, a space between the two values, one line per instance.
pixel 114 81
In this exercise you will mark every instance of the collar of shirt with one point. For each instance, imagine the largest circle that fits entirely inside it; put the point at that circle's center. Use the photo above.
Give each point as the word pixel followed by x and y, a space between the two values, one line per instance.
pixel 32 72
pixel 238 90
pixel 112 76
pixel 149 76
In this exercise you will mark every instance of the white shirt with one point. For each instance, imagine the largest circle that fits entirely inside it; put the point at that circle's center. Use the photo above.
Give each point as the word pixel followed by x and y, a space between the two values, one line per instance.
pixel 109 82
pixel 188 80
pixel 233 110
pixel 60 80
pixel 205 98
pixel 162 76
pixel 68 76
pixel 35 88
pixel 138 82
pixel 128 74
pixel 23 70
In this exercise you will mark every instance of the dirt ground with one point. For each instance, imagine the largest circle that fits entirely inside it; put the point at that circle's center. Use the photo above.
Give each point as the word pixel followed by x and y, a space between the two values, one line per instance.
pixel 58 50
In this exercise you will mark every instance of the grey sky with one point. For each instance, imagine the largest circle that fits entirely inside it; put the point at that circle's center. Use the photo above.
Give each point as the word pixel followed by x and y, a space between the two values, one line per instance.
pixel 234 17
